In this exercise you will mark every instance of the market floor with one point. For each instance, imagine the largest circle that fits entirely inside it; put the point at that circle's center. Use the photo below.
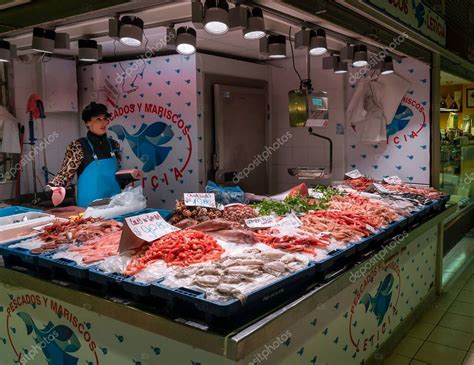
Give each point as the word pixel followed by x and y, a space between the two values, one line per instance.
pixel 444 335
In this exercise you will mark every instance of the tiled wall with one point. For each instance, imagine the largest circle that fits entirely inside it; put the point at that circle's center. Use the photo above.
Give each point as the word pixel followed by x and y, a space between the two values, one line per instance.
pixel 303 149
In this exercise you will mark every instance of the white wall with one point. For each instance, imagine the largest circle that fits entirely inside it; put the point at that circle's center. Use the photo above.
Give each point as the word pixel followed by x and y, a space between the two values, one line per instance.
pixel 27 81
pixel 303 149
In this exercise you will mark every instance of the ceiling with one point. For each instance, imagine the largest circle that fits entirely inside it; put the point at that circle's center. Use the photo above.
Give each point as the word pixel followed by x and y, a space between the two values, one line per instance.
pixel 156 19
pixel 449 79
pixel 21 14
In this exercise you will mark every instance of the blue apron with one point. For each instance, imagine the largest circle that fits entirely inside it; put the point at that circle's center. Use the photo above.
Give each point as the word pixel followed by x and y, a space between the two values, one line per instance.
pixel 98 180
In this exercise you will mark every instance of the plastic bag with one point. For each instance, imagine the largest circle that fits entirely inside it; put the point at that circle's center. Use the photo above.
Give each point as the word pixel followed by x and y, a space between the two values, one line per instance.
pixel 226 195
pixel 153 272
pixel 128 201
pixel 115 264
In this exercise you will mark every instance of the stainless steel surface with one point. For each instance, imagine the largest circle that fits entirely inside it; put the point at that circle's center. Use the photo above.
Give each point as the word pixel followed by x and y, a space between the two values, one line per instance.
pixel 307 172
pixel 240 128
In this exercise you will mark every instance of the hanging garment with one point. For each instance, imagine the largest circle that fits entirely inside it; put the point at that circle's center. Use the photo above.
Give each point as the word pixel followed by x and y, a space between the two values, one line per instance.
pixel 395 88
pixel 374 105
pixel 98 180
pixel 9 132
pixel 365 112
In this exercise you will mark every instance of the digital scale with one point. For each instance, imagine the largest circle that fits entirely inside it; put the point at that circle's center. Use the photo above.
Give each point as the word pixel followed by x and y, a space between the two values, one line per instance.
pixel 309 108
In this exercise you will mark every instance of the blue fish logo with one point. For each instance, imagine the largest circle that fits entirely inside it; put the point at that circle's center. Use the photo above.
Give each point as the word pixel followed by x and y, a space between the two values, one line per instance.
pixel 419 10
pixel 400 121
pixel 56 351
pixel 147 143
pixel 380 302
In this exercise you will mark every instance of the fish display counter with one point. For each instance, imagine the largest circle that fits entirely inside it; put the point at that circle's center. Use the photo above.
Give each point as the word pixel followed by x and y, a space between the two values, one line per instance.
pixel 349 317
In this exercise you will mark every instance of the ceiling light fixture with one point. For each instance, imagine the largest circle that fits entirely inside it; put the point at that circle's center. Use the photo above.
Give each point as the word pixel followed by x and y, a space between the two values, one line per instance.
pixel 89 50
pixel 276 46
pixel 43 40
pixel 341 67
pixel 360 56
pixel 387 66
pixel 131 31
pixel 186 41
pixel 61 41
pixel 255 25
pixel 216 17
pixel 318 44
pixel 7 51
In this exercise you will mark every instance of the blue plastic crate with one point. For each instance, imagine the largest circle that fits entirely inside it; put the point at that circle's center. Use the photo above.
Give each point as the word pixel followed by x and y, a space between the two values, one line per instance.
pixel 193 303
pixel 5 212
pixel 135 288
pixel 365 244
pixel 62 268
pixel 119 285
pixel 19 256
pixel 335 261
pixel 166 214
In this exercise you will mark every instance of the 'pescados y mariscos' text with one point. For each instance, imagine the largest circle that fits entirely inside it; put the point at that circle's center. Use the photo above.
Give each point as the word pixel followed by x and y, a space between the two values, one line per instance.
pixel 58 309
pixel 164 113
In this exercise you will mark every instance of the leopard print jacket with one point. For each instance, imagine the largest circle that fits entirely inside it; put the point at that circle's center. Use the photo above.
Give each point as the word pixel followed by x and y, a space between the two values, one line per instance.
pixel 72 160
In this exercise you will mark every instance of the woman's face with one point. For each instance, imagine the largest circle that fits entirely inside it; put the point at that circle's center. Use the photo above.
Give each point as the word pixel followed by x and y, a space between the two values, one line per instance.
pixel 98 125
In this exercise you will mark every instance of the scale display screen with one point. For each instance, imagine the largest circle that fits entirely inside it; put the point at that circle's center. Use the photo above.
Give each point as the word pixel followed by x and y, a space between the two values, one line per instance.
pixel 318 102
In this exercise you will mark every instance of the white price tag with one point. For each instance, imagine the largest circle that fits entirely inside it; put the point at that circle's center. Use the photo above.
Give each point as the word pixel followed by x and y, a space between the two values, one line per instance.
pixel 379 188
pixel 145 227
pixel 315 194
pixel 290 220
pixel 207 200
pixel 393 180
pixel 354 174
pixel 265 221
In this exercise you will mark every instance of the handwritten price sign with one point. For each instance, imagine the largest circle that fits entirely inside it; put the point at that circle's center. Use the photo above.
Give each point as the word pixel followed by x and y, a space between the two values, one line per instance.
pixel 393 180
pixel 143 228
pixel 265 221
pixel 291 220
pixel 207 200
pixel 354 174
pixel 379 188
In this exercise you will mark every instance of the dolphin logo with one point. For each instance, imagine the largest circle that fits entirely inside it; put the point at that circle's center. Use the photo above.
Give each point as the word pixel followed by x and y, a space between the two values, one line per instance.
pixel 57 342
pixel 401 120
pixel 147 142
pixel 380 302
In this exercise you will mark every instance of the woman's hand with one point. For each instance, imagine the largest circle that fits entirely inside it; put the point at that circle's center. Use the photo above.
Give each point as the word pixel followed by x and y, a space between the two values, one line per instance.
pixel 58 194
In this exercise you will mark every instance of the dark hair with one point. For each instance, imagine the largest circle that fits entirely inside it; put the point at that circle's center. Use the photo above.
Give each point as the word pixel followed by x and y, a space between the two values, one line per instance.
pixel 93 110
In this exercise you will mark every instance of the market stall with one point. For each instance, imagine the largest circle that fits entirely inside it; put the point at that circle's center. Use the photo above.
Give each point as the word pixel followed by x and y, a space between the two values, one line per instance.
pixel 274 214
pixel 237 281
